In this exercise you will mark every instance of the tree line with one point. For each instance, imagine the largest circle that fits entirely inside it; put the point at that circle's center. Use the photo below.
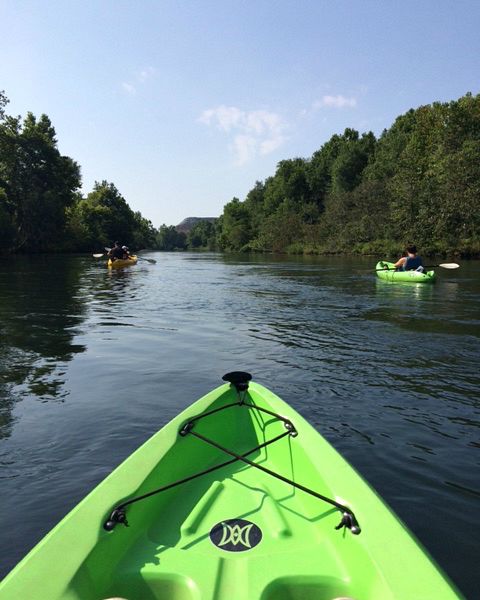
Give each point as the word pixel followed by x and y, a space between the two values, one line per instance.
pixel 418 182
pixel 41 207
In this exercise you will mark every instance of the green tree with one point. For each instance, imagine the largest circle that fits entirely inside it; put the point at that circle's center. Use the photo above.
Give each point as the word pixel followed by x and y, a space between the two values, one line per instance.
pixel 280 230
pixel 7 228
pixel 168 238
pixel 235 232
pixel 144 233
pixel 352 159
pixel 3 103
pixel 202 235
pixel 290 184
pixel 39 183
pixel 106 216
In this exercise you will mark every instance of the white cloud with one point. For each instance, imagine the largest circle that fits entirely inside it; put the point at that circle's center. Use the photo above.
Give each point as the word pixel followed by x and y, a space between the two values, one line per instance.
pixel 244 148
pixel 145 74
pixel 335 102
pixel 255 132
pixel 140 77
pixel 129 88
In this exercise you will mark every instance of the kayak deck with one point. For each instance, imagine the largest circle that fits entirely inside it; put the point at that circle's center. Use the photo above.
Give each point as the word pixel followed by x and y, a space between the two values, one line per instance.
pixel 386 271
pixel 175 557
pixel 235 532
pixel 232 501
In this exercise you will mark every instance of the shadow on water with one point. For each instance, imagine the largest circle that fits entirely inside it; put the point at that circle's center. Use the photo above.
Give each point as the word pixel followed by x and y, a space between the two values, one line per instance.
pixel 41 310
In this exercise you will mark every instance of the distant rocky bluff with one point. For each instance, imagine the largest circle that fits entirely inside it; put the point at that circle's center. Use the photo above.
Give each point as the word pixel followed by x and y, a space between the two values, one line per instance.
pixel 186 225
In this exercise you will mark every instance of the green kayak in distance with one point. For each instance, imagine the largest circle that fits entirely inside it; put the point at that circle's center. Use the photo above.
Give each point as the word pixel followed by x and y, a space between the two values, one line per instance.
pixel 386 270
pixel 237 498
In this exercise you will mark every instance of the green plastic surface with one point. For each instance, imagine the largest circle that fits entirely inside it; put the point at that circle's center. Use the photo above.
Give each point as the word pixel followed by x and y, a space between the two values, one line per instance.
pixel 386 270
pixel 167 551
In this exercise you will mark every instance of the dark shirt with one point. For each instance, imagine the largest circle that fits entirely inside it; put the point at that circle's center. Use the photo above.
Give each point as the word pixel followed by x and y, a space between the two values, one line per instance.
pixel 412 263
pixel 117 253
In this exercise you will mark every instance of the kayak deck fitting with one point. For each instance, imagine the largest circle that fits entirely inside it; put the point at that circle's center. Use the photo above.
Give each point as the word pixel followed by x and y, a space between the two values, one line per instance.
pixel 237 498
pixel 386 271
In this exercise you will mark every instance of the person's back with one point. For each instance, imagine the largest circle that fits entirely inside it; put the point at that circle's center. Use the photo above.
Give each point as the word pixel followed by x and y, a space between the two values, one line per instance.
pixel 116 252
pixel 410 262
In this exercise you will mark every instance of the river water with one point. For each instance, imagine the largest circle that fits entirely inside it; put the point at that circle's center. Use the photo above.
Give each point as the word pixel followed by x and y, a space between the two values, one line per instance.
pixel 92 362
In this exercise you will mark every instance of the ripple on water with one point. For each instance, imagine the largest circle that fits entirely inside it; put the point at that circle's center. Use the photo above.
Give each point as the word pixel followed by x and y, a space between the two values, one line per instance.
pixel 388 373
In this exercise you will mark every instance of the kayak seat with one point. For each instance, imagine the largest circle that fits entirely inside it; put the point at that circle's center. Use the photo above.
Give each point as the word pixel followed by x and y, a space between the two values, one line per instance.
pixel 307 588
pixel 154 586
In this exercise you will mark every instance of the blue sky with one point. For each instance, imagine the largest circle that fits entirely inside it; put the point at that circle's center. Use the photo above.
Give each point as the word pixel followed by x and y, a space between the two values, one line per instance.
pixel 185 104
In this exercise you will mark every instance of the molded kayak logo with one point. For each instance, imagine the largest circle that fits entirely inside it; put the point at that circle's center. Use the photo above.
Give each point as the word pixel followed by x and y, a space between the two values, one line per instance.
pixel 236 535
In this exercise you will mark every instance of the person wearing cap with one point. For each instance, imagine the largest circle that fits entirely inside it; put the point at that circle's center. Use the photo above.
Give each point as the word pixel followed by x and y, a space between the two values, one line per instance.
pixel 410 262
pixel 116 252
pixel 126 253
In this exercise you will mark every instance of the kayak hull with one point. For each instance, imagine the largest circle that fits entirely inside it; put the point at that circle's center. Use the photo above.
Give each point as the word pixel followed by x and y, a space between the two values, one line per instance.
pixel 120 263
pixel 236 532
pixel 386 271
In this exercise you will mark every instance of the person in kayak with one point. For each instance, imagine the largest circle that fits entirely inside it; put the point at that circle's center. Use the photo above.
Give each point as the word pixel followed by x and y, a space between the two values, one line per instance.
pixel 410 262
pixel 126 252
pixel 116 252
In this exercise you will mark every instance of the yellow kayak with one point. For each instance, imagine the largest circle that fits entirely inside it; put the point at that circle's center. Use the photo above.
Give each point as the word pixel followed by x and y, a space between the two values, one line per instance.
pixel 122 262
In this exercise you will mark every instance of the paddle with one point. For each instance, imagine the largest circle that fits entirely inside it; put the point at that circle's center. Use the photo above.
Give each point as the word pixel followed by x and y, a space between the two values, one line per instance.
pixel 150 260
pixel 442 265
pixel 97 255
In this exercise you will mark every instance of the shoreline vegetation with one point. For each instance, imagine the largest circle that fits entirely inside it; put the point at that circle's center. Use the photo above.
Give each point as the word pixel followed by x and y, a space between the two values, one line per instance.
pixel 418 182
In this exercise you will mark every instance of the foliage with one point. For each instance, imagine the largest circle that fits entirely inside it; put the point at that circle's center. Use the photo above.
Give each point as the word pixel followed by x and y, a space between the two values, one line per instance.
pixel 168 238
pixel 41 208
pixel 202 235
pixel 418 182
pixel 235 226
pixel 3 103
pixel 38 183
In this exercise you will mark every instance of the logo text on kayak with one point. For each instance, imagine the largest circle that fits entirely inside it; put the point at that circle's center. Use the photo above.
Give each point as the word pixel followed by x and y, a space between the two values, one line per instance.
pixel 235 535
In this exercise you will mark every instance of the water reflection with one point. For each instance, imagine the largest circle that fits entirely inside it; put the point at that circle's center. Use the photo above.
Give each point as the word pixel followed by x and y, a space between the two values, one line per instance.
pixel 403 290
pixel 41 308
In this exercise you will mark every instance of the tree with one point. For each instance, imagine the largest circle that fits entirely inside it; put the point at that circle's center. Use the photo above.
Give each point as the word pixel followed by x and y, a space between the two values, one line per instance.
pixel 144 233
pixel 235 232
pixel 38 182
pixel 7 229
pixel 3 103
pixel 290 183
pixel 202 235
pixel 351 161
pixel 168 238
pixel 106 215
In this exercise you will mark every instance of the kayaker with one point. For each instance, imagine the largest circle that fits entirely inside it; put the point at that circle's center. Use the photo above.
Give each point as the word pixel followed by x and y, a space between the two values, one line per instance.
pixel 126 253
pixel 116 252
pixel 410 262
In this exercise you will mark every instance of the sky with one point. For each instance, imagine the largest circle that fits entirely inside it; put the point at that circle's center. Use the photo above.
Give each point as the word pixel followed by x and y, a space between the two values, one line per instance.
pixel 185 104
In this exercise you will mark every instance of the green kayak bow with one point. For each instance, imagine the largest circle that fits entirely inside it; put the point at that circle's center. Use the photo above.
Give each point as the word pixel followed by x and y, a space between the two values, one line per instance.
pixel 237 498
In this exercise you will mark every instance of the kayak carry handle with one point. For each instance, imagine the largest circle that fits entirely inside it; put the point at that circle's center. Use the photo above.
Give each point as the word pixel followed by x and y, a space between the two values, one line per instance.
pixel 239 379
